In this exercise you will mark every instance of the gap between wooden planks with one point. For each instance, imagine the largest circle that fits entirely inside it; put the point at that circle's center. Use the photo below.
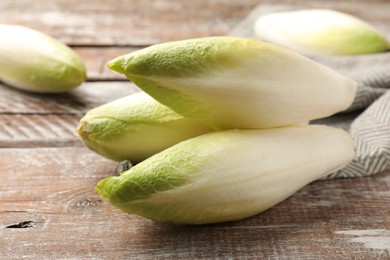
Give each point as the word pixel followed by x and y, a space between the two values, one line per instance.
pixel 125 23
pixel 34 120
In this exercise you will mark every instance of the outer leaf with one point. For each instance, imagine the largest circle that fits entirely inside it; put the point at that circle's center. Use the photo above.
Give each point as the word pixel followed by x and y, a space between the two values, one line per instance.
pixel 228 83
pixel 228 175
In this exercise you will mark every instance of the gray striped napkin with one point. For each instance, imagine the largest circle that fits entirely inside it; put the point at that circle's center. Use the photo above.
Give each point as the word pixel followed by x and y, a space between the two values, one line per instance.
pixel 368 118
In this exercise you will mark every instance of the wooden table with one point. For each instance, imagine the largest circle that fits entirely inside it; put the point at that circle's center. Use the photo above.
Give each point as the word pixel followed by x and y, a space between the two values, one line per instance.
pixel 48 206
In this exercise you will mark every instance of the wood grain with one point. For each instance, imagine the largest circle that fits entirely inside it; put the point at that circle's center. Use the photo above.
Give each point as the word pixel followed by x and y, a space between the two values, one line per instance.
pixel 33 120
pixel 125 23
pixel 38 130
pixel 49 210
pixel 78 101
pixel 146 22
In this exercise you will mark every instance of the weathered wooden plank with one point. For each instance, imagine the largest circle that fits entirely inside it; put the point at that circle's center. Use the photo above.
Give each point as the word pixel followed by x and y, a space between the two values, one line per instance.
pixel 17 130
pixel 146 22
pixel 33 120
pixel 136 22
pixel 78 101
pixel 49 210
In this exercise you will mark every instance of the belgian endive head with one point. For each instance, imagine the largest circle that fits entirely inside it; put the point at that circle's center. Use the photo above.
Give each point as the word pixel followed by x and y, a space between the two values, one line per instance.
pixel 228 175
pixel 229 83
pixel 321 31
pixel 33 61
pixel 134 128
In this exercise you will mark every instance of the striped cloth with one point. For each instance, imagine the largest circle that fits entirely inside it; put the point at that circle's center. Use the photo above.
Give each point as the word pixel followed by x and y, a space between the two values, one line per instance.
pixel 368 118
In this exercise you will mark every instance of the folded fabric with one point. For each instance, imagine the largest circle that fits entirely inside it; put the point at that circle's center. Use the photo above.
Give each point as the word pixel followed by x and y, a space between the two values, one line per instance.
pixel 368 118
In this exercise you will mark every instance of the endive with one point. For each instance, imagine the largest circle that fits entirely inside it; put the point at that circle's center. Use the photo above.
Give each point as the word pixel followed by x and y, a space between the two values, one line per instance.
pixel 228 83
pixel 33 61
pixel 320 31
pixel 134 128
pixel 228 175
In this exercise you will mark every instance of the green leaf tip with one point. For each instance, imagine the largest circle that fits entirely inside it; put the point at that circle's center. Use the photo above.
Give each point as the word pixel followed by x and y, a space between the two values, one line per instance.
pixel 144 180
pixel 105 187
pixel 181 57
pixel 117 64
